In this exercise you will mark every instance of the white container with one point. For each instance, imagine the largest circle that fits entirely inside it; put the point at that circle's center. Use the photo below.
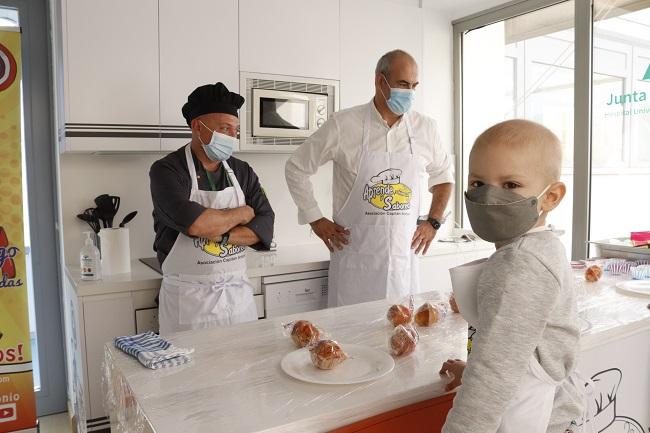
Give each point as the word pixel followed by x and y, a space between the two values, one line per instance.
pixel 89 260
pixel 116 250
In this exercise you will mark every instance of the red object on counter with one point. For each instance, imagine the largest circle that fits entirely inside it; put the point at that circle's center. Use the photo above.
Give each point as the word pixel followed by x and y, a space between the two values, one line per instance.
pixel 640 238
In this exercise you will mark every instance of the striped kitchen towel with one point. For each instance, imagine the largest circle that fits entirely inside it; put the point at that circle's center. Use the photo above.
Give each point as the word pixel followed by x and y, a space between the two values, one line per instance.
pixel 153 351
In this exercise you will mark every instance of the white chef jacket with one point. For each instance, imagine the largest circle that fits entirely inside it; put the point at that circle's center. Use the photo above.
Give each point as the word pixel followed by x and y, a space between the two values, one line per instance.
pixel 339 140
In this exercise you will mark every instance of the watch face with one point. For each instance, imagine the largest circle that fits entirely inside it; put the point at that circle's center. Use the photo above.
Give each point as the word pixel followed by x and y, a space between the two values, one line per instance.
pixel 434 223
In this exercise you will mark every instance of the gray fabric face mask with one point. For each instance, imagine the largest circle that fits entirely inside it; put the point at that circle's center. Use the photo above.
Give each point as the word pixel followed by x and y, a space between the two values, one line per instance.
pixel 498 215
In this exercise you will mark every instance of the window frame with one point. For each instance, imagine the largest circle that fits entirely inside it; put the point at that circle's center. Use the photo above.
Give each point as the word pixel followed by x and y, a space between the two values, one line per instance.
pixel 583 29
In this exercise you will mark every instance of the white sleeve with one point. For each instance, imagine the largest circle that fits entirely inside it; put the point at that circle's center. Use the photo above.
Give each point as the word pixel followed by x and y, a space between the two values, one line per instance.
pixel 318 149
pixel 440 169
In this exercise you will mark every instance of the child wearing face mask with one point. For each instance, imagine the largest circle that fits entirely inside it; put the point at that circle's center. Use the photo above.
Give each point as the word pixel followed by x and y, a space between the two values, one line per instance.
pixel 520 376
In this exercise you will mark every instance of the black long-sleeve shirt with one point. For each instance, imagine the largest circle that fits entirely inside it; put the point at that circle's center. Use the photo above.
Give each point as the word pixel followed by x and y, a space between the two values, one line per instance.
pixel 174 212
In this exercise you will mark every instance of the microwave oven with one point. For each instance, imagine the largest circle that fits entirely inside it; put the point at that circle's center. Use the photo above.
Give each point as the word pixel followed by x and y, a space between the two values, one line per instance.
pixel 287 114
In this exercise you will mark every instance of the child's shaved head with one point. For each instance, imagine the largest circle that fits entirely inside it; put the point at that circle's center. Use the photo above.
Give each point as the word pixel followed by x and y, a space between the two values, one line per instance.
pixel 536 143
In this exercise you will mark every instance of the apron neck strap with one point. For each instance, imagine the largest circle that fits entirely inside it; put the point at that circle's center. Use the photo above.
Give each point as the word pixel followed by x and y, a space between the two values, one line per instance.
pixel 241 200
pixel 190 166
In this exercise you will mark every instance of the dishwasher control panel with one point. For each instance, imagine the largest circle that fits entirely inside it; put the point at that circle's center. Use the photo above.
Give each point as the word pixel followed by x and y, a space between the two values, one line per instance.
pixel 295 293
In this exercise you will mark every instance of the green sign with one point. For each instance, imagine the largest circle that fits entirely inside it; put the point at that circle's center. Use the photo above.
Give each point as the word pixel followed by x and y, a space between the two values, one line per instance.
pixel 646 76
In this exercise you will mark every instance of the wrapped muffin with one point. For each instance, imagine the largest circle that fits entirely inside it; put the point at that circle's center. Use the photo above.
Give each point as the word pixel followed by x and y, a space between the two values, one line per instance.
pixel 593 273
pixel 327 354
pixel 399 315
pixel 303 332
pixel 453 304
pixel 429 314
pixel 403 340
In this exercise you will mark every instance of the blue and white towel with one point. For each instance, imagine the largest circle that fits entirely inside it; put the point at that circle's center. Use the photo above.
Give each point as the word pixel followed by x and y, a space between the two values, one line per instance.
pixel 153 351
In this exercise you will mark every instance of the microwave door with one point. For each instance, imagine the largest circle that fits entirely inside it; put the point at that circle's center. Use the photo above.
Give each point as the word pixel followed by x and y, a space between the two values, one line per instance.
pixel 281 114
pixel 284 113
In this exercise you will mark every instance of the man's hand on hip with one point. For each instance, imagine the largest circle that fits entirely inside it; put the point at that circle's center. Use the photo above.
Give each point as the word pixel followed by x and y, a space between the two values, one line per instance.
pixel 332 234
pixel 422 237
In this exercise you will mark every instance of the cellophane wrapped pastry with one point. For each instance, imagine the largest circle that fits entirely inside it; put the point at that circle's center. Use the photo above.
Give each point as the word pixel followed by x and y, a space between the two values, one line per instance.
pixel 593 273
pixel 429 314
pixel 403 340
pixel 303 332
pixel 326 354
pixel 453 304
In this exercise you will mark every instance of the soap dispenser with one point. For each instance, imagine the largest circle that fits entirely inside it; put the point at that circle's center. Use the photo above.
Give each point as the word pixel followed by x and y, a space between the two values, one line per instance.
pixel 90 260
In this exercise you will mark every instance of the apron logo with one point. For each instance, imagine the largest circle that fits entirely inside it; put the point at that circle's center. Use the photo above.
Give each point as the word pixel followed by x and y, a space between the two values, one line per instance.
pixel 7 265
pixel 386 192
pixel 216 249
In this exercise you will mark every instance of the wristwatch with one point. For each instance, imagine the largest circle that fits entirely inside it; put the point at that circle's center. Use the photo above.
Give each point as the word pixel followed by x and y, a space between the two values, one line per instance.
pixel 434 222
pixel 224 238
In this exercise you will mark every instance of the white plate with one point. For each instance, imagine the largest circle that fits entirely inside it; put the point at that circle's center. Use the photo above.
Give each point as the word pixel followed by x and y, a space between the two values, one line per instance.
pixel 365 364
pixel 640 287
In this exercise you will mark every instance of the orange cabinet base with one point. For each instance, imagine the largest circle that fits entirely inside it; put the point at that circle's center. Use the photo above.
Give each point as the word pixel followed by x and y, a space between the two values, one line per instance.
pixel 425 417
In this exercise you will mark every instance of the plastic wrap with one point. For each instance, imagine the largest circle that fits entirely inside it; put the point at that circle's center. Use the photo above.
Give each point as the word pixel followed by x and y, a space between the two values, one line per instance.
pixel 327 354
pixel 303 332
pixel 235 383
pixel 401 313
pixel 403 340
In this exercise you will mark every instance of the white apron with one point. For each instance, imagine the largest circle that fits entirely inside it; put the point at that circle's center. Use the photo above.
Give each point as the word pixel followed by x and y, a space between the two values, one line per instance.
pixel 381 213
pixel 205 284
pixel 530 409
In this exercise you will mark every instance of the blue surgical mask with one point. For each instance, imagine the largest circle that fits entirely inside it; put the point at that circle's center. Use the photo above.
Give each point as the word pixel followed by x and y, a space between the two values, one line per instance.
pixel 400 100
pixel 220 146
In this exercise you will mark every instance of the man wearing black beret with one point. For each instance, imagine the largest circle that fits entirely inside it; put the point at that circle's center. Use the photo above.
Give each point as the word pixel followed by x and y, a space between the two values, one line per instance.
pixel 208 207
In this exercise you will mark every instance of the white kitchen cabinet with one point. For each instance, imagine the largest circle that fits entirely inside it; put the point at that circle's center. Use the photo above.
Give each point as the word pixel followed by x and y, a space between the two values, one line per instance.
pixel 290 37
pixel 75 349
pixel 90 322
pixel 370 28
pixel 198 45
pixel 106 317
pixel 112 62
pixel 434 269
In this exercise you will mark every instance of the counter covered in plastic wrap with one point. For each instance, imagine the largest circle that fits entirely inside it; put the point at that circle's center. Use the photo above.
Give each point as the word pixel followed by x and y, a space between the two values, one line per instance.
pixel 235 383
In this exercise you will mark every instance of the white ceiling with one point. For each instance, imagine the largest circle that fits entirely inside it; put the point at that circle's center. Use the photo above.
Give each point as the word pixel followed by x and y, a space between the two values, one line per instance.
pixel 456 9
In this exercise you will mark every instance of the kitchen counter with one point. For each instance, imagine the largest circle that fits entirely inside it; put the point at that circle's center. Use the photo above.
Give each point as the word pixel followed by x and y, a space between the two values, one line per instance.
pixel 235 383
pixel 287 259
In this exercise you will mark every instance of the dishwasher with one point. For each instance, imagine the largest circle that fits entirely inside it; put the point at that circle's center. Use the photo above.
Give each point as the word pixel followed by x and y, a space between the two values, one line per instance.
pixel 295 293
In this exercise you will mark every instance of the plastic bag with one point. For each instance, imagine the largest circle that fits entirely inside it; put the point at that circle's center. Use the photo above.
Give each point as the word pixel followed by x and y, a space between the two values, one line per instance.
pixel 401 314
pixel 593 273
pixel 428 314
pixel 403 340
pixel 303 332
pixel 452 304
pixel 326 354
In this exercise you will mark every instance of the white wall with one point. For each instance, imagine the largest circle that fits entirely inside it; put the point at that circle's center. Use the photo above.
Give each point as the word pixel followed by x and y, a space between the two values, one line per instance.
pixel 84 176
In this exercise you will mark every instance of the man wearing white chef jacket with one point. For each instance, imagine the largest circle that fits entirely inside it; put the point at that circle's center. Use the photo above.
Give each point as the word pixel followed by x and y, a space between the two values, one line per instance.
pixel 379 150
pixel 208 207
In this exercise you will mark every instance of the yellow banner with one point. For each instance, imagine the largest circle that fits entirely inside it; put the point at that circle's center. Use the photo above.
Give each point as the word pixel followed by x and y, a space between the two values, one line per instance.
pixel 17 400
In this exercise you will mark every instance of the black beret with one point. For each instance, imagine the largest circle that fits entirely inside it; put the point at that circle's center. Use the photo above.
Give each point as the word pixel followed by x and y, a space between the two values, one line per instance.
pixel 211 98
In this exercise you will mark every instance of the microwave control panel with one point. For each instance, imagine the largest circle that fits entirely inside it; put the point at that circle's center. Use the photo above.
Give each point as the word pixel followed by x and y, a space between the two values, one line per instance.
pixel 321 112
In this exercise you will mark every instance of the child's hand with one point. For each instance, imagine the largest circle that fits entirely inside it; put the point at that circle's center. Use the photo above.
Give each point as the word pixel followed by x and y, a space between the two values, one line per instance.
pixel 455 368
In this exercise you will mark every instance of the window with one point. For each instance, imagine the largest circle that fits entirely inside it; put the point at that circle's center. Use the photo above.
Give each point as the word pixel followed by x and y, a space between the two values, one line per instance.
pixel 620 119
pixel 522 67
pixel 519 62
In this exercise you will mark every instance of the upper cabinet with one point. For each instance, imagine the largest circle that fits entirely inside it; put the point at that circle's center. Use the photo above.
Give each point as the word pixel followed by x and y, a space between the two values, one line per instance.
pixel 128 67
pixel 290 37
pixel 111 71
pixel 198 45
pixel 370 28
